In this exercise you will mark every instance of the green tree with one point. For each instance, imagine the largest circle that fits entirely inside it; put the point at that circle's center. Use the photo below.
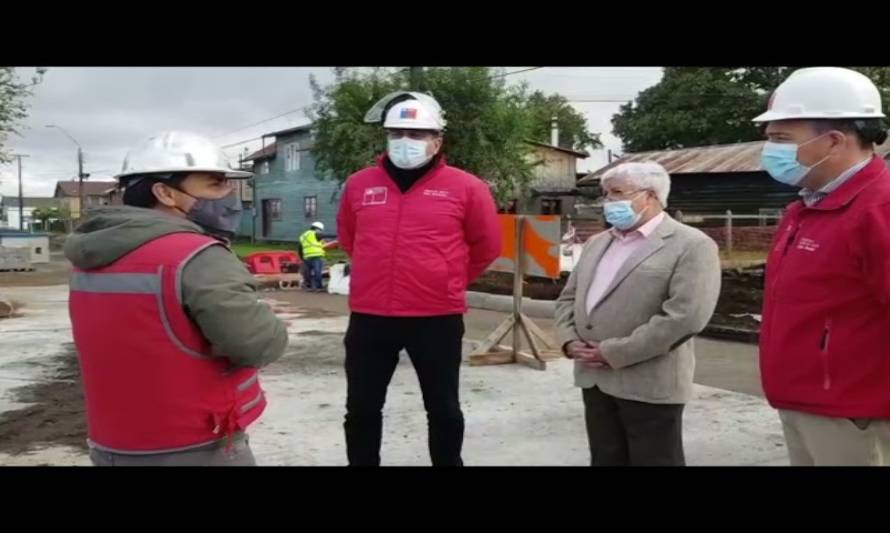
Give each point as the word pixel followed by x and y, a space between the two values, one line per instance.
pixel 690 106
pixel 573 132
pixel 489 122
pixel 13 104
pixel 45 215
pixel 698 106
pixel 487 126
pixel 344 143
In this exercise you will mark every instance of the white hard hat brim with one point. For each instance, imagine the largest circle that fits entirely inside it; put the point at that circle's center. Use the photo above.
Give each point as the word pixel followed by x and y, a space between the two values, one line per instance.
pixel 408 125
pixel 230 174
pixel 773 116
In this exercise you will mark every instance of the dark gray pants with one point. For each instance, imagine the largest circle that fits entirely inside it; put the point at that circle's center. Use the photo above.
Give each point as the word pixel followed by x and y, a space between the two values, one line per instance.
pixel 211 455
pixel 629 433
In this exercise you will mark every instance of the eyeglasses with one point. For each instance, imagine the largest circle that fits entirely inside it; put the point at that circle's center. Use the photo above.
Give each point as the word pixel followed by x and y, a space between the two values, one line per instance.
pixel 417 135
pixel 623 195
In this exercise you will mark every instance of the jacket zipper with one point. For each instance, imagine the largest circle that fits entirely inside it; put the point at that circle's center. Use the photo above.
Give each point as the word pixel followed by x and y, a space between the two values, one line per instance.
pixel 792 234
pixel 823 350
pixel 402 197
pixel 395 247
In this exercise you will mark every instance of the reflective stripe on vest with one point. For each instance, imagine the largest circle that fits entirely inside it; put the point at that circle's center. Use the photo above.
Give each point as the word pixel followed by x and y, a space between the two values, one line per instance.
pixel 132 284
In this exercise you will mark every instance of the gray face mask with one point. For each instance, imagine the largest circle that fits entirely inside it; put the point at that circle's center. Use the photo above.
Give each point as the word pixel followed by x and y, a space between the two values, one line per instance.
pixel 221 216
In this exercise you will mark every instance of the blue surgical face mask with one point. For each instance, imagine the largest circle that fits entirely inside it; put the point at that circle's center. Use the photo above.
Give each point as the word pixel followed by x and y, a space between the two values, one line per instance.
pixel 407 153
pixel 780 161
pixel 621 214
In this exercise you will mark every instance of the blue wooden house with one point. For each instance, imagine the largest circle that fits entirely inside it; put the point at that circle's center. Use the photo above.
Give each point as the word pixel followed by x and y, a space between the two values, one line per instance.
pixel 286 194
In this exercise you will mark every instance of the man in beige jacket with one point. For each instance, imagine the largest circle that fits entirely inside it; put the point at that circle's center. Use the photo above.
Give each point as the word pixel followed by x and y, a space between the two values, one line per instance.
pixel 638 295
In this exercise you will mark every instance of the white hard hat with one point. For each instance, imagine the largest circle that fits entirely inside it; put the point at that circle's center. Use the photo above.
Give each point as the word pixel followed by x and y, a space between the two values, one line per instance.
pixel 375 114
pixel 318 225
pixel 413 115
pixel 178 151
pixel 824 93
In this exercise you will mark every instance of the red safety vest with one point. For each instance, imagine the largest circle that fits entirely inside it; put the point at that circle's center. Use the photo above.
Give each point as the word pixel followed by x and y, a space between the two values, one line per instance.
pixel 150 383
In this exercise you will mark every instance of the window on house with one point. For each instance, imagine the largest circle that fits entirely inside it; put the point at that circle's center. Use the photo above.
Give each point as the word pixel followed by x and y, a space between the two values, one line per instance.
pixel 310 206
pixel 264 167
pixel 292 156
pixel 551 206
pixel 274 209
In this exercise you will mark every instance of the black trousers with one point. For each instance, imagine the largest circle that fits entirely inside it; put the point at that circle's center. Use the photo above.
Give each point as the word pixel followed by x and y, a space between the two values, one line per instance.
pixel 434 345
pixel 629 433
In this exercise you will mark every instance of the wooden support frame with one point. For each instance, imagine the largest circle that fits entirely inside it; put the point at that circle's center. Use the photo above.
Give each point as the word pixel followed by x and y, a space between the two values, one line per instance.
pixel 491 352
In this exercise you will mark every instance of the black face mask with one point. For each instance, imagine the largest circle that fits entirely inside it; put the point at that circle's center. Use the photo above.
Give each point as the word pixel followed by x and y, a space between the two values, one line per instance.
pixel 219 217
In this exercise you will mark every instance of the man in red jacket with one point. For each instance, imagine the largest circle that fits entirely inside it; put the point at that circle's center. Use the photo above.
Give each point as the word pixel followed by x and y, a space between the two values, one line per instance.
pixel 824 356
pixel 418 232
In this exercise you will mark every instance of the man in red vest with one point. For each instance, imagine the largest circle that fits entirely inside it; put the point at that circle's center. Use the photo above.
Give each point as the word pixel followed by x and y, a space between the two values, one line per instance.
pixel 166 320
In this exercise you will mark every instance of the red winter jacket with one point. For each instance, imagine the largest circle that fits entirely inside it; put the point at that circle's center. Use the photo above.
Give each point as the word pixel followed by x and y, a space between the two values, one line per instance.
pixel 414 254
pixel 825 337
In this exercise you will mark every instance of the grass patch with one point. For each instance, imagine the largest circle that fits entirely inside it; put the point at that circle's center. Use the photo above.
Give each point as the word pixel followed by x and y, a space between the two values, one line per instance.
pixel 243 249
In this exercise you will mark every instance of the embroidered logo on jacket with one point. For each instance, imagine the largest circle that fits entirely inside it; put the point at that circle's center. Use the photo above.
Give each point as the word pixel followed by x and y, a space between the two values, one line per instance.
pixel 374 196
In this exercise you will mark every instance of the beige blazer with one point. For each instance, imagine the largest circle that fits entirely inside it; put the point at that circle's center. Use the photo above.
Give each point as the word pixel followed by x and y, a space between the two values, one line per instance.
pixel 663 295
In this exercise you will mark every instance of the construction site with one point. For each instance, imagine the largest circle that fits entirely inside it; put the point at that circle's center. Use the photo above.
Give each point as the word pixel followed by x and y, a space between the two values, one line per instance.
pixel 515 414
pixel 340 215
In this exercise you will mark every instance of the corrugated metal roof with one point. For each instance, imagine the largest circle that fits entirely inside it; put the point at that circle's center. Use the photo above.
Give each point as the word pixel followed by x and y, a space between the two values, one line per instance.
pixel 741 157
pixel 579 155
pixel 90 188
pixel 268 151
pixel 304 127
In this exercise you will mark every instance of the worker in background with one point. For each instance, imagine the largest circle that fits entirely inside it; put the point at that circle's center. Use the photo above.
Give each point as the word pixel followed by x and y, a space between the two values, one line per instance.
pixel 418 232
pixel 312 252
pixel 824 360
pixel 168 328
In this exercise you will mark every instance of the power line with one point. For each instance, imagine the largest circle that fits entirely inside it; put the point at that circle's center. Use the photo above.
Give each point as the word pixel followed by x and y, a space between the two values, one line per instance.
pixel 305 107
pixel 505 74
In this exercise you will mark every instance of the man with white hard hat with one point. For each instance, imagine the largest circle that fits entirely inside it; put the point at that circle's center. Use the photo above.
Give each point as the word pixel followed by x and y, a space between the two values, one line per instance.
pixel 824 357
pixel 313 253
pixel 418 232
pixel 168 328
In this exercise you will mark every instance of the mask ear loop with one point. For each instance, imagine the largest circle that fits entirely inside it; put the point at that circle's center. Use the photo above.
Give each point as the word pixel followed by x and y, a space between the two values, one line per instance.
pixel 814 165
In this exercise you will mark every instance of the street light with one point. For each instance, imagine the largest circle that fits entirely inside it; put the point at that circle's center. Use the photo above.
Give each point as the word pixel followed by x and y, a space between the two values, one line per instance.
pixel 80 175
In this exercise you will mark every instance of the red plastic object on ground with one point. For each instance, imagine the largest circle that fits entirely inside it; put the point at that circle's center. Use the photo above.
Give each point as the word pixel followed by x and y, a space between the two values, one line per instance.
pixel 270 262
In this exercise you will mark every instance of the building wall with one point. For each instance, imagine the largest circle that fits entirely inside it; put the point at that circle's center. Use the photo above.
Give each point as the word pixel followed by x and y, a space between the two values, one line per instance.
pixel 741 192
pixel 71 204
pixel 556 171
pixel 291 188
pixel 12 217
pixel 558 168
pixel 38 245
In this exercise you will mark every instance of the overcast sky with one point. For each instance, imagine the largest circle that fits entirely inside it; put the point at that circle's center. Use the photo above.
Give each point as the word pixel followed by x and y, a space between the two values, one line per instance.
pixel 109 109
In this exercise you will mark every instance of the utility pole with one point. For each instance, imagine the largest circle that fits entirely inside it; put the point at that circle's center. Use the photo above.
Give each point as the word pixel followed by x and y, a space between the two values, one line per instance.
pixel 21 197
pixel 80 178
pixel 414 78
pixel 80 173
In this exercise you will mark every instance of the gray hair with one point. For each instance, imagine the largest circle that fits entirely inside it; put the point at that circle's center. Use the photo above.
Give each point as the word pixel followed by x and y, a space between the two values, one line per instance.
pixel 647 175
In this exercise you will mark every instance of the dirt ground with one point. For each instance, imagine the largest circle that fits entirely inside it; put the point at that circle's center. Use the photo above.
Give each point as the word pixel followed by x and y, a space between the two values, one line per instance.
pixel 515 415
pixel 741 294
pixel 53 273
pixel 41 403
pixel 53 413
